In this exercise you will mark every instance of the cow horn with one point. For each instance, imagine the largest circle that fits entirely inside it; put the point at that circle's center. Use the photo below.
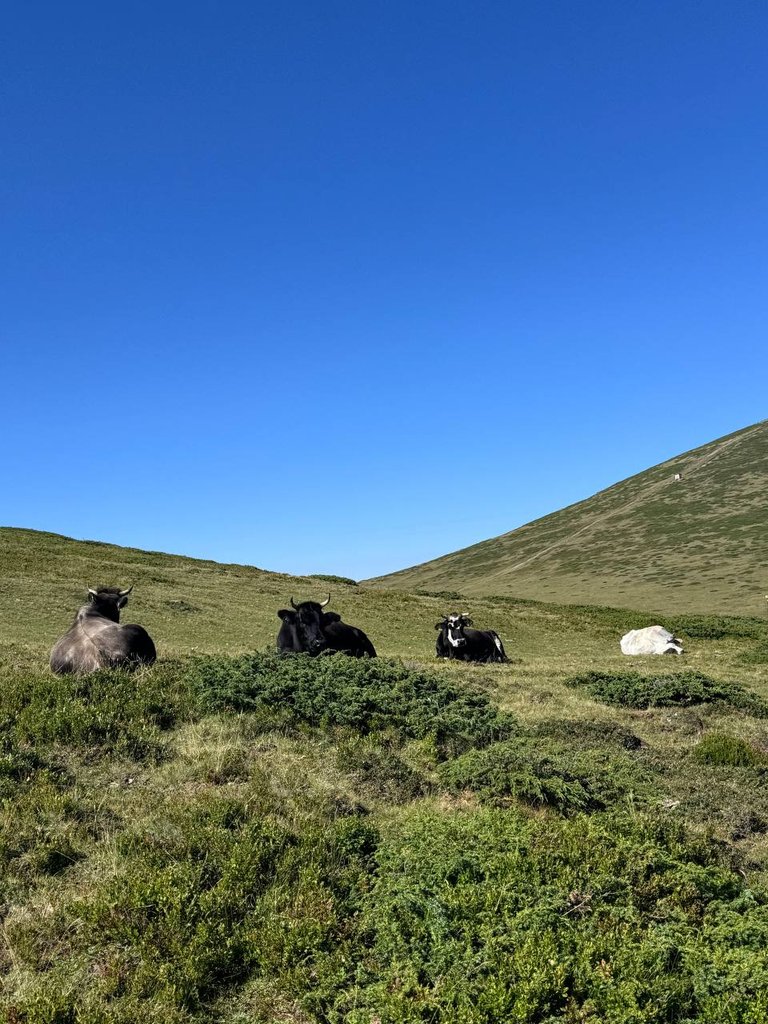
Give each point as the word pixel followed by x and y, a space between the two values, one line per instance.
pixel 125 593
pixel 327 601
pixel 92 591
pixel 293 605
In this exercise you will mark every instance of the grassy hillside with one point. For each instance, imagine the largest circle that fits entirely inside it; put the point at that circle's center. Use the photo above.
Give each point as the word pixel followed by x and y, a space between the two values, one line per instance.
pixel 697 544
pixel 231 837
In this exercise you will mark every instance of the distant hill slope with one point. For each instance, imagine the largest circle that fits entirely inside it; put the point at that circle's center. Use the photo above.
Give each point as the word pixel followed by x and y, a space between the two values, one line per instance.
pixel 698 544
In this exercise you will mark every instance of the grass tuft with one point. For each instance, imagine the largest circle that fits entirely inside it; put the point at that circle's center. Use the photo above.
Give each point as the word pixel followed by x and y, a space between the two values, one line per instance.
pixel 720 749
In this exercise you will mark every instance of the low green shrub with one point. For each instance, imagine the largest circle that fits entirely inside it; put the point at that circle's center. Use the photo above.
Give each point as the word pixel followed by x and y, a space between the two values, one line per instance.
pixel 525 769
pixel 716 627
pixel 581 732
pixel 360 695
pixel 485 916
pixel 443 595
pixel 632 690
pixel 490 916
pixel 381 771
pixel 200 899
pixel 757 655
pixel 330 578
pixel 108 711
pixel 719 748
pixel 45 828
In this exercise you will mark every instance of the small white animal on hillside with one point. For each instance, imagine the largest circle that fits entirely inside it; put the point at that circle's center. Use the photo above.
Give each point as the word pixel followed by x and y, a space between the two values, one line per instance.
pixel 651 640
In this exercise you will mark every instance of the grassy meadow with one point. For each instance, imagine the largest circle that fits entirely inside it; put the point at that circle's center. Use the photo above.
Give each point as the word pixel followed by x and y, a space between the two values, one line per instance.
pixel 232 837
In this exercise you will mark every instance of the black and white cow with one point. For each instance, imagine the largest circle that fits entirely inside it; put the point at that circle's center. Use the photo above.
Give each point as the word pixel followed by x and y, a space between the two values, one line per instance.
pixel 308 629
pixel 456 640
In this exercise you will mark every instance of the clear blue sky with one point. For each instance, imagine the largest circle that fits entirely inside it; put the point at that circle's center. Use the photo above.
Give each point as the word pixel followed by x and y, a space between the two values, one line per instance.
pixel 342 287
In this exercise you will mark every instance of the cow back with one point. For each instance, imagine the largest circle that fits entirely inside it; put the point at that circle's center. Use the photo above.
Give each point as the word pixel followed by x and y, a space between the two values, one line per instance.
pixel 94 642
pixel 348 639
pixel 482 645
pixel 75 654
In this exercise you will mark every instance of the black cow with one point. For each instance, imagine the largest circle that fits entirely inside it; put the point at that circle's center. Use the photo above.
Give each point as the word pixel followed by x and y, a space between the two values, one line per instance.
pixel 97 640
pixel 457 641
pixel 309 630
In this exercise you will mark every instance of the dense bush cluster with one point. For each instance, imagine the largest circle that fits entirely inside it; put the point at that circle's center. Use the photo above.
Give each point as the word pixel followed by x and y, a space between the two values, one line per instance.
pixel 363 695
pixel 46 723
pixel 632 690
pixel 485 916
pixel 606 919
pixel 757 655
pixel 108 711
pixel 205 896
pixel 524 769
pixel 584 732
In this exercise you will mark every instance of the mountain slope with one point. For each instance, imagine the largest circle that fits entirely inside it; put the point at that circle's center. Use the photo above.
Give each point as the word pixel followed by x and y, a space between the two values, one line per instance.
pixel 699 543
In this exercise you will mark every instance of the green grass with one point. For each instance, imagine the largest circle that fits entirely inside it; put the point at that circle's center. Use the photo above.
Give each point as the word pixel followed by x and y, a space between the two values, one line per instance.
pixel 721 749
pixel 231 837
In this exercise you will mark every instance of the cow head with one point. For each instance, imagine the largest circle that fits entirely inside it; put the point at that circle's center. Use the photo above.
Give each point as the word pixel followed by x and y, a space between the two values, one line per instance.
pixel 307 620
pixel 453 626
pixel 108 601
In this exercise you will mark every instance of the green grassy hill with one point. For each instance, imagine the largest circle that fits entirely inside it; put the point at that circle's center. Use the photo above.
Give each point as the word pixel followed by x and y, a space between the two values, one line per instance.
pixel 235 838
pixel 697 544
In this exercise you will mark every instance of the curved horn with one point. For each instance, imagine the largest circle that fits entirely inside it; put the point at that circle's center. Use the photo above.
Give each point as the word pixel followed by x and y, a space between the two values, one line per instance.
pixel 92 591
pixel 327 601
pixel 125 593
pixel 293 604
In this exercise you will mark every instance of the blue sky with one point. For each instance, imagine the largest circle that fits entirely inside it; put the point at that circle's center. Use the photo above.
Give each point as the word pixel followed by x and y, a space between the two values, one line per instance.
pixel 342 287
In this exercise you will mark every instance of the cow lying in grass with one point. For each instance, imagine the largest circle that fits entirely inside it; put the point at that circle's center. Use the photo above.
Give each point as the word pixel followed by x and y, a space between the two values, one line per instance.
pixel 97 640
pixel 456 640
pixel 307 629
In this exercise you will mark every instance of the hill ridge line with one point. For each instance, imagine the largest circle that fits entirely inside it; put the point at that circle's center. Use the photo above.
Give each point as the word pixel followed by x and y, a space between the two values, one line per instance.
pixel 698 464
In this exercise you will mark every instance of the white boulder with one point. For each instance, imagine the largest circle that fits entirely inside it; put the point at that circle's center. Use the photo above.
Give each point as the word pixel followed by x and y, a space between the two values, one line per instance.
pixel 651 640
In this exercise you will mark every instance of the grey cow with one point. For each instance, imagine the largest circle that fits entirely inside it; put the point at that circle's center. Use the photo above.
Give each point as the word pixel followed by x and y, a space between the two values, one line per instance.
pixel 97 640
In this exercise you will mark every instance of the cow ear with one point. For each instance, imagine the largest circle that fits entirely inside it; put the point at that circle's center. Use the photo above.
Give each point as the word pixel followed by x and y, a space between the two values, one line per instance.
pixel 439 625
pixel 331 617
pixel 286 614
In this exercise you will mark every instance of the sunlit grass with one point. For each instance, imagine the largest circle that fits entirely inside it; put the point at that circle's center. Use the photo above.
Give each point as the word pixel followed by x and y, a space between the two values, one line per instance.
pixel 230 837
